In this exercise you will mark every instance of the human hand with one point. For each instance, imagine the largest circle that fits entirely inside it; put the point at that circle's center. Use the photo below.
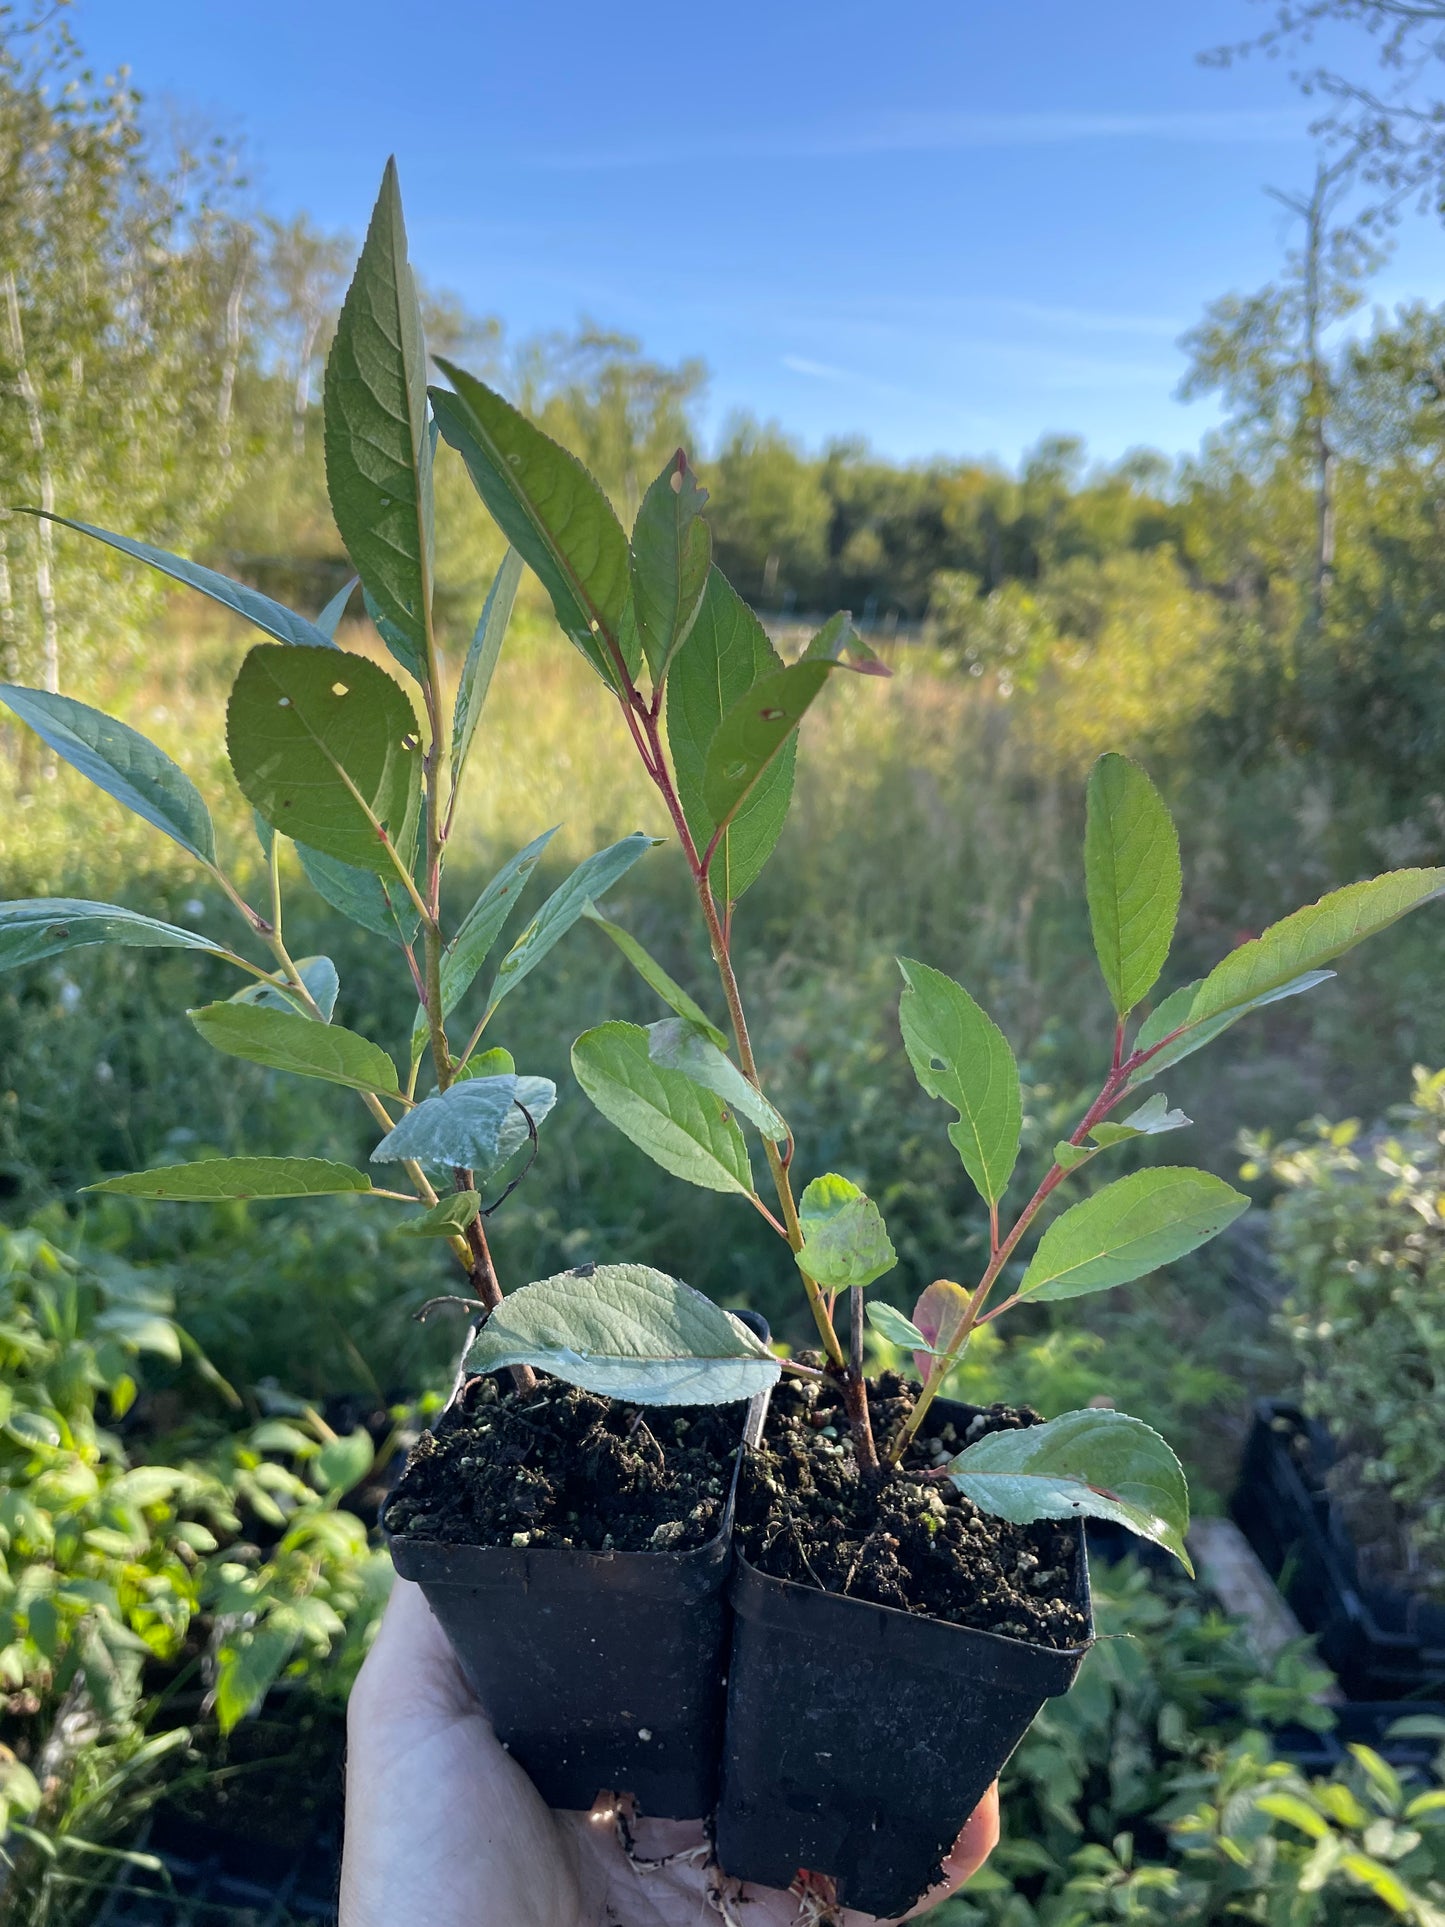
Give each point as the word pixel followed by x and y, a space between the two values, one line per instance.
pixel 444 1829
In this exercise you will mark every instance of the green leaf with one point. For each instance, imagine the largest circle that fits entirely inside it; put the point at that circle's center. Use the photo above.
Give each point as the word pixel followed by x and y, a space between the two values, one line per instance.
pixel 839 641
pixel 214 1179
pixel 1152 1117
pixel 270 617
pixel 284 1040
pixel 548 507
pixel 592 878
pixel 32 1429
pixel 536 1097
pixel 678 1045
pixel 1128 1229
pixel 755 732
pixel 278 993
pixel 1311 937
pixel 447 1218
pixel 36 927
pixel 401 646
pixel 1174 1012
pixel 689 1131
pixel 251 1661
pixel 481 662
pixel 725 655
pixel 378 449
pixel 1104 1464
pixel 379 904
pixel 329 620
pixel 460 1128
pixel 328 751
pixel 845 1242
pixel 959 1054
pixel 1131 865
pixel 890 1324
pixel 671 555
pixel 630 1333
pixel 480 928
pixel 1069 1157
pixel 119 760
pixel 653 974
pixel 489 1063
pixel 1280 1805
pixel 343 1462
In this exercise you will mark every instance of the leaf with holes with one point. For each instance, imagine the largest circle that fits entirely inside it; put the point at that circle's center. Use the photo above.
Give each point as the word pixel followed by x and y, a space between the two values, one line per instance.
pixel 257 609
pixel 285 1040
pixel 688 1130
pixel 725 654
pixel 213 1179
pixel 671 556
pixel 35 927
pixel 1131 866
pixel 656 978
pixel 1311 937
pixel 378 448
pixel 459 1129
pixel 754 733
pixel 1105 1465
pixel 960 1055
pixel 629 1333
pixel 680 1046
pixel 486 647
pixel 328 751
pixel 1129 1229
pixel 548 507
pixel 120 761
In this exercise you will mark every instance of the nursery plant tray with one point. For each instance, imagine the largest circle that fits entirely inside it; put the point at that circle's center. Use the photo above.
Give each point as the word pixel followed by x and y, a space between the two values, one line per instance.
pixel 1383 1642
pixel 208 1890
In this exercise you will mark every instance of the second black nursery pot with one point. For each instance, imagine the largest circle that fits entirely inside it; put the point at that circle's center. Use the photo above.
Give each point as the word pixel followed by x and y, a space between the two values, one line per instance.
pixel 860 1737
pixel 598 1669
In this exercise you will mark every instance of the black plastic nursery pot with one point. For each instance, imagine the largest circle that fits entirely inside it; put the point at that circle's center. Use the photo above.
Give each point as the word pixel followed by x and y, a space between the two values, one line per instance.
pixel 1384 1642
pixel 860 1737
pixel 599 1670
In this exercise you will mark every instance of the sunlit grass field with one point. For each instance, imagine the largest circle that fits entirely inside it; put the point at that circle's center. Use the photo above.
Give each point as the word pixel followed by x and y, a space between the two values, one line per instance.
pixel 932 818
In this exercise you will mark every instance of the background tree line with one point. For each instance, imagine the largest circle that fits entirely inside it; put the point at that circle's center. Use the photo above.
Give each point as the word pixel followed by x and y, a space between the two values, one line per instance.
pixel 1280 591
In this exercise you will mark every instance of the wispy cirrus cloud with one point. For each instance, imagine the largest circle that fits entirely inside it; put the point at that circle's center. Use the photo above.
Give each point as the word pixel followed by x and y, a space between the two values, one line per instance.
pixel 931 133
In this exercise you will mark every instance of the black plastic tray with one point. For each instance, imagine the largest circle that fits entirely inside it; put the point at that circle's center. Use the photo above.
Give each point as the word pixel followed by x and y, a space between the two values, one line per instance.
pixel 1383 1642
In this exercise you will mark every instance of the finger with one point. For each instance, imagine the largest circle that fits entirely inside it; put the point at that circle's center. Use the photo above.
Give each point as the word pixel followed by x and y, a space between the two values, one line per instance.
pixel 411 1668
pixel 972 1847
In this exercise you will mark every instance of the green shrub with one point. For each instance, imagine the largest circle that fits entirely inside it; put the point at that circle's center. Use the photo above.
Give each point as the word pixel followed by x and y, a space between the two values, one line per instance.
pixel 1359 1231
pixel 1150 1793
pixel 131 1572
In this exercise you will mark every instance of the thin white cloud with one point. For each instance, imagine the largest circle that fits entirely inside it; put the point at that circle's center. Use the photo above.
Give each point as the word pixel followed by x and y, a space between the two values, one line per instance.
pixel 930 133
pixel 819 370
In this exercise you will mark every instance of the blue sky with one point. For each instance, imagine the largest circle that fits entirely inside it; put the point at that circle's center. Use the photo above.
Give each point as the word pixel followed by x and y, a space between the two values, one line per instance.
pixel 946 225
